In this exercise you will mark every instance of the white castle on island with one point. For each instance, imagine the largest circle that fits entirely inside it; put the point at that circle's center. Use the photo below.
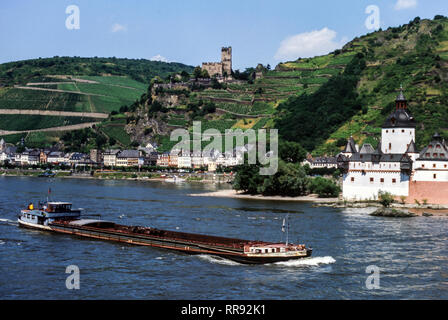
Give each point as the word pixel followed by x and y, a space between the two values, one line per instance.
pixel 396 166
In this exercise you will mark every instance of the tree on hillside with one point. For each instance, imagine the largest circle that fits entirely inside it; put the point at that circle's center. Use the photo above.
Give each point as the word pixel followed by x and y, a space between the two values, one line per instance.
pixel 197 72
pixel 248 178
pixel 100 141
pixel 185 76
pixel 205 74
pixel 290 151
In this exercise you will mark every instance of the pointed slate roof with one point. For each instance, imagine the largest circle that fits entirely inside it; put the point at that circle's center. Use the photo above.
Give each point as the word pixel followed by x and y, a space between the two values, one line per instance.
pixel 366 148
pixel 400 118
pixel 436 150
pixel 412 148
pixel 351 146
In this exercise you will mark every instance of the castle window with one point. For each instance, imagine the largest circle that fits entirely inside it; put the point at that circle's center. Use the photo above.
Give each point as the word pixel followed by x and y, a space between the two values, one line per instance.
pixel 371 179
pixel 435 176
pixel 393 131
pixel 445 165
pixel 390 146
pixel 394 180
pixel 382 180
pixel 434 165
pixel 423 165
pixel 402 131
pixel 352 179
pixel 387 131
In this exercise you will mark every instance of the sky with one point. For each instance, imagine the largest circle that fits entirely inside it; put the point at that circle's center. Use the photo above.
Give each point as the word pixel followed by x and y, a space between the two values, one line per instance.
pixel 193 31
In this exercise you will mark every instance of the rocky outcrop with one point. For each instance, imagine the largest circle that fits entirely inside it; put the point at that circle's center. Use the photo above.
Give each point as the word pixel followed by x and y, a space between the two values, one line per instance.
pixel 393 213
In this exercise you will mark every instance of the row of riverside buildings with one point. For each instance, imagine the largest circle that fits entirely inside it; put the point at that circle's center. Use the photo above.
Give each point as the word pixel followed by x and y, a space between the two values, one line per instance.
pixel 123 158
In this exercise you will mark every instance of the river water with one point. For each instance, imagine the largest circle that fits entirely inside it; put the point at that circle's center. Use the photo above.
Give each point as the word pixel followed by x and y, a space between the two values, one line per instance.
pixel 410 254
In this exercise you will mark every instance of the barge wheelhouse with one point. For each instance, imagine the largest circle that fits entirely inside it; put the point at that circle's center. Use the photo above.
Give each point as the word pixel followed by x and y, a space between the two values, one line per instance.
pixel 42 216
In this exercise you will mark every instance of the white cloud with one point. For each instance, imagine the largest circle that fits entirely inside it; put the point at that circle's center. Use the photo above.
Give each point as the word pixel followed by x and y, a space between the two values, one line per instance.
pixel 159 58
pixel 308 44
pixel 118 27
pixel 405 4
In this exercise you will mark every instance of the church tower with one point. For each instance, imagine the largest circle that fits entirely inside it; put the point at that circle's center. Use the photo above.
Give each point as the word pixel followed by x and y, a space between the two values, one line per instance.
pixel 398 131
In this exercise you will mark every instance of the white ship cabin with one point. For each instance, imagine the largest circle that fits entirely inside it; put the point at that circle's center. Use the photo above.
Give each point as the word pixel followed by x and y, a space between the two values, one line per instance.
pixel 271 248
pixel 48 212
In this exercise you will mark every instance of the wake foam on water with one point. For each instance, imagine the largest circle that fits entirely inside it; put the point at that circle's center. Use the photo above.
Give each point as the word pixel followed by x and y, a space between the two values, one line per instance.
pixel 218 260
pixel 315 261
pixel 7 221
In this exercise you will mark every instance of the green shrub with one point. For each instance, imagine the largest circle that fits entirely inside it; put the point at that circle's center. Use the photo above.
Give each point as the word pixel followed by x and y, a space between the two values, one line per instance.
pixel 385 198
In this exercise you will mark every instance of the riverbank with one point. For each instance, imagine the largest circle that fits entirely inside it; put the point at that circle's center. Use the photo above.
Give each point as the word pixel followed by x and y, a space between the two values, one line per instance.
pixel 229 193
pixel 122 175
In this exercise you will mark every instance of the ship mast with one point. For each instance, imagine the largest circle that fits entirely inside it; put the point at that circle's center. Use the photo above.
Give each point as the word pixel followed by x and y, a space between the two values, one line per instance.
pixel 285 227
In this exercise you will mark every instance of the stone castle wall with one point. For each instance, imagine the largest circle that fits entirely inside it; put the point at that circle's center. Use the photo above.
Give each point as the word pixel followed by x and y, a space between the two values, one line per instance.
pixel 213 68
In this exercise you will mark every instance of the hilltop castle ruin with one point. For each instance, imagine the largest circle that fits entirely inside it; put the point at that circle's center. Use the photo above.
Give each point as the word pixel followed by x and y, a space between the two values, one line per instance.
pixel 223 68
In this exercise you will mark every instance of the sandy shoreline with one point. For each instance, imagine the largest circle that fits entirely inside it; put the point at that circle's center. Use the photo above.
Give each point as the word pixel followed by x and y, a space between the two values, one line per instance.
pixel 229 193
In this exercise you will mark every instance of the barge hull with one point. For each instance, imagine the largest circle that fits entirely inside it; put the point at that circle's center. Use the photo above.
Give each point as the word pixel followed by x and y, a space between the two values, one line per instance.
pixel 236 255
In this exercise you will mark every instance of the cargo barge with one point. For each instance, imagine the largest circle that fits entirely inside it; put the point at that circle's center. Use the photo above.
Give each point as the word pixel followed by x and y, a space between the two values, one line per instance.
pixel 60 218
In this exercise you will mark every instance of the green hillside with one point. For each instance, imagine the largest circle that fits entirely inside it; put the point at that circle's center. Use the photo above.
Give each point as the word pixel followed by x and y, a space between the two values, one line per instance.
pixel 71 84
pixel 321 101
pixel 36 70
pixel 412 55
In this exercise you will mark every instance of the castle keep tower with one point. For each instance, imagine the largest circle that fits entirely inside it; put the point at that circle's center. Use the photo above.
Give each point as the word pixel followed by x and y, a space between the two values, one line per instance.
pixel 220 68
pixel 226 60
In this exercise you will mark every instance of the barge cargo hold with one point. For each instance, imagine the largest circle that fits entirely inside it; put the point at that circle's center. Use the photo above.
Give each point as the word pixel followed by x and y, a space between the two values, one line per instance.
pixel 52 218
